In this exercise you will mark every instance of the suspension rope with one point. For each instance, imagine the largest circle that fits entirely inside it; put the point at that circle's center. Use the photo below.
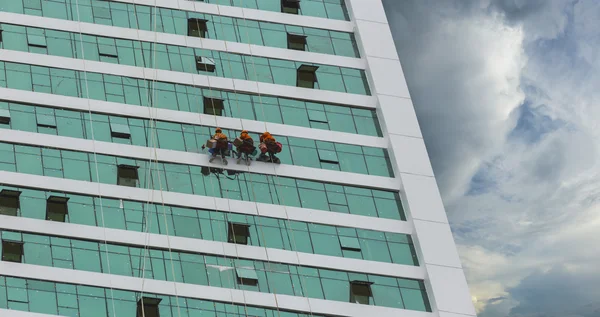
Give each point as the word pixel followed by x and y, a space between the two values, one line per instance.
pixel 87 91
pixel 282 197
pixel 150 98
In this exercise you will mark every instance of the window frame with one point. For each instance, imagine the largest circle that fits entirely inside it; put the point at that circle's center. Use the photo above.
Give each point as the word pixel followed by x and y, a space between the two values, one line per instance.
pixel 290 6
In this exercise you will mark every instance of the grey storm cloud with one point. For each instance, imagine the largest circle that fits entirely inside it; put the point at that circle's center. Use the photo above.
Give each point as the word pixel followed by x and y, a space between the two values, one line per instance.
pixel 506 95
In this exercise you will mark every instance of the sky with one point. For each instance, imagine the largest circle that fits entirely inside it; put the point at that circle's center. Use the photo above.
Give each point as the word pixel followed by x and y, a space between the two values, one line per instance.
pixel 507 93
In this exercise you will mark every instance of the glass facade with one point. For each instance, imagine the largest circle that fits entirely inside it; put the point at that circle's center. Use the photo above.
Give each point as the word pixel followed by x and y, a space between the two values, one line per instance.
pixel 87 301
pixel 176 22
pixel 190 138
pixel 51 226
pixel 330 9
pixel 189 179
pixel 217 271
pixel 187 98
pixel 213 225
pixel 178 58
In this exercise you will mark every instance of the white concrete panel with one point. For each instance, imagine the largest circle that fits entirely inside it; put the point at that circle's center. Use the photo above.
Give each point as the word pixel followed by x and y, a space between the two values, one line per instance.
pixel 450 290
pixel 202 202
pixel 387 77
pixel 411 155
pixel 399 116
pixel 437 243
pixel 335 308
pixel 447 314
pixel 365 10
pixel 377 40
pixel 16 313
pixel 423 198
pixel 189 79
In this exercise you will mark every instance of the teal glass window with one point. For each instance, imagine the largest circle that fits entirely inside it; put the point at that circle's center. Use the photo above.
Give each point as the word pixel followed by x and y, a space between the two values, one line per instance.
pixel 80 300
pixel 208 270
pixel 204 25
pixel 12 251
pixel 185 98
pixel 120 130
pixel 350 243
pixel 44 120
pixel 9 202
pixel 214 226
pixel 36 40
pixel 182 137
pixel 190 179
pixel 182 59
pixel 331 9
pixel 246 276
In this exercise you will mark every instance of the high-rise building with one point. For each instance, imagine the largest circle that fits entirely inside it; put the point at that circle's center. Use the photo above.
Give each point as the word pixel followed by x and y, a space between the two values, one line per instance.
pixel 109 205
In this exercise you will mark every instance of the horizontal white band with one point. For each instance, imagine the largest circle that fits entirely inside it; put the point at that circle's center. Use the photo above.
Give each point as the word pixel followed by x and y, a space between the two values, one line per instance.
pixel 230 250
pixel 195 159
pixel 17 313
pixel 233 296
pixel 180 40
pixel 249 14
pixel 205 202
pixel 119 109
pixel 211 82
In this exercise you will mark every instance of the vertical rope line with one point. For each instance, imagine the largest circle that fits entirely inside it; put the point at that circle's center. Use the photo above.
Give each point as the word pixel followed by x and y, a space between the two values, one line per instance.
pixel 282 198
pixel 87 91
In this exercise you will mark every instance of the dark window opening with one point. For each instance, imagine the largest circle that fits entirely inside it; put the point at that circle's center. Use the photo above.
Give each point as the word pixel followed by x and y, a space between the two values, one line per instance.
pixel 9 202
pixel 213 106
pixel 238 233
pixel 205 64
pixel 290 6
pixel 296 42
pixel 306 76
pixel 57 208
pixel 127 175
pixel 148 307
pixel 12 251
pixel 360 292
pixel 1 34
pixel 197 28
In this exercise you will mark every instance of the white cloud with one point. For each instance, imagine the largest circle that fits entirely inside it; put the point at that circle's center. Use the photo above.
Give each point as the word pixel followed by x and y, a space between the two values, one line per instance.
pixel 470 66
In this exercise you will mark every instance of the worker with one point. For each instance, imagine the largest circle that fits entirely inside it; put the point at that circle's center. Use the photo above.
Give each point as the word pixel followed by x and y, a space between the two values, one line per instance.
pixel 245 148
pixel 221 147
pixel 269 146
